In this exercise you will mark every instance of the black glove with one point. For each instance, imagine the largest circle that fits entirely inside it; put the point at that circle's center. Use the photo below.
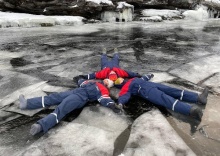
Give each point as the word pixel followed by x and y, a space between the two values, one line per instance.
pixel 83 76
pixel 151 75
pixel 138 75
pixel 117 108
pixel 75 79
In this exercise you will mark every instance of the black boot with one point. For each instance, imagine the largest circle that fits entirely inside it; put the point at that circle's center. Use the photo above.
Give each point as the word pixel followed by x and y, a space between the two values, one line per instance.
pixel 196 113
pixel 202 99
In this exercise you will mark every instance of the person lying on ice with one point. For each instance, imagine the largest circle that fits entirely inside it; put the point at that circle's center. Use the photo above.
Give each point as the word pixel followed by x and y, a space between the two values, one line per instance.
pixel 110 69
pixel 159 94
pixel 88 90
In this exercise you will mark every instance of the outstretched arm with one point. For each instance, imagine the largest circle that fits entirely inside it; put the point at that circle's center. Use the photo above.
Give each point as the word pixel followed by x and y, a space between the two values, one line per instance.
pixel 147 77
pixel 133 74
pixel 101 74
pixel 123 99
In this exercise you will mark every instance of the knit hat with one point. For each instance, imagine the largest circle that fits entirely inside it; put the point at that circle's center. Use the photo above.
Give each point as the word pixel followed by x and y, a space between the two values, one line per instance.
pixel 112 76
pixel 119 81
pixel 109 83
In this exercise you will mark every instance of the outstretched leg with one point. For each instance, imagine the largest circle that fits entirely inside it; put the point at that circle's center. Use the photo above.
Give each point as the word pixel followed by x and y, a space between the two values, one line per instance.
pixel 160 98
pixel 182 95
pixel 115 59
pixel 44 101
pixel 104 61
pixel 69 104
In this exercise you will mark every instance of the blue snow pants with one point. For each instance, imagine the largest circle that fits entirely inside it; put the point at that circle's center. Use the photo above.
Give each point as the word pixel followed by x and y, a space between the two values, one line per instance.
pixel 66 101
pixel 171 98
pixel 106 63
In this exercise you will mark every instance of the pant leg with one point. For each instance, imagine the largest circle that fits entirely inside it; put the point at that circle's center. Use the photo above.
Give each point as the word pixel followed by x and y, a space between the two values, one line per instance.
pixel 160 98
pixel 182 95
pixel 104 61
pixel 45 101
pixel 69 104
pixel 115 60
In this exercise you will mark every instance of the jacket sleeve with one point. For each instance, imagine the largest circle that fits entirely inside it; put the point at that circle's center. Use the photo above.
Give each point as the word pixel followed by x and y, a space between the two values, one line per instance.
pixel 91 76
pixel 105 100
pixel 123 99
pixel 103 96
pixel 147 77
pixel 132 74
pixel 102 74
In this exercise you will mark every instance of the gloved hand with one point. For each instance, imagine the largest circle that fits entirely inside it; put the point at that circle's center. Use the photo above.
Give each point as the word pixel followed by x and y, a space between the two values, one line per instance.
pixel 117 108
pixel 83 76
pixel 75 79
pixel 149 76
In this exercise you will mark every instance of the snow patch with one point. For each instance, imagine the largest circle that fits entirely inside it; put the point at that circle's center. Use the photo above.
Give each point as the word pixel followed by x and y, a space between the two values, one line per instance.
pixel 101 1
pixel 161 13
pixel 28 20
pixel 199 14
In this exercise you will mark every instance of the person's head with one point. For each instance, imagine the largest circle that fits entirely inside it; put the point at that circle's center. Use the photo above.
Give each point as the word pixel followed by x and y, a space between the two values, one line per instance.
pixel 108 83
pixel 112 76
pixel 119 81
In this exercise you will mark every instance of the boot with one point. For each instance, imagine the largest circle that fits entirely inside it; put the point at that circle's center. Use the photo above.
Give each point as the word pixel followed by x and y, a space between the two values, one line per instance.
pixel 104 51
pixel 23 102
pixel 35 129
pixel 115 50
pixel 196 113
pixel 202 99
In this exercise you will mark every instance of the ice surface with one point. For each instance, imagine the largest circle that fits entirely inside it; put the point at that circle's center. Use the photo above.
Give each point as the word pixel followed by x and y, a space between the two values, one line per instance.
pixel 151 134
pixel 28 90
pixel 204 68
pixel 93 133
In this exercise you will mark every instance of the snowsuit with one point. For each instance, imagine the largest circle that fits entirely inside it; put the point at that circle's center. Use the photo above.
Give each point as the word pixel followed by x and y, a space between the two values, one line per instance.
pixel 68 101
pixel 159 94
pixel 108 66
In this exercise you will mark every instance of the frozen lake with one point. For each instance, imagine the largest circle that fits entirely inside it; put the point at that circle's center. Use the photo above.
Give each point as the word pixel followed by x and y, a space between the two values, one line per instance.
pixel 38 60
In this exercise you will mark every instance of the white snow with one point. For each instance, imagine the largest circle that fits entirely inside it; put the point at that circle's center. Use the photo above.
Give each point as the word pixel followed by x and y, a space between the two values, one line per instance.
pixel 199 14
pixel 29 20
pixel 101 1
pixel 213 1
pixel 124 4
pixel 152 18
pixel 164 13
